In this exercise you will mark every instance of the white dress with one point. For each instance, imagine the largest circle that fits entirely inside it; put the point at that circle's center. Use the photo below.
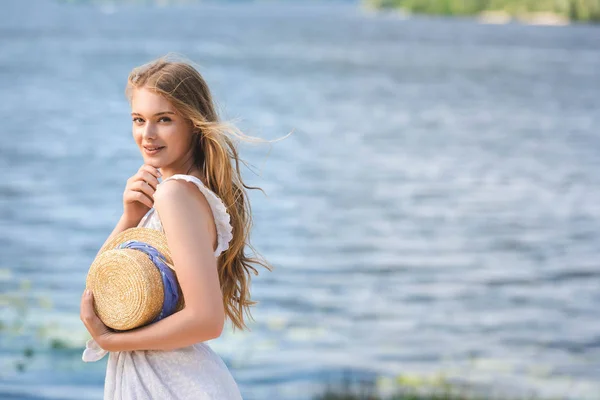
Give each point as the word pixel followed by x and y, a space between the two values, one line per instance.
pixel 193 372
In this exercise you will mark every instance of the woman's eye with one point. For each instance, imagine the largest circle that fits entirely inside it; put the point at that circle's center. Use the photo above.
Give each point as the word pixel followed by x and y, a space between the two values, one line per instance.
pixel 137 120
pixel 165 119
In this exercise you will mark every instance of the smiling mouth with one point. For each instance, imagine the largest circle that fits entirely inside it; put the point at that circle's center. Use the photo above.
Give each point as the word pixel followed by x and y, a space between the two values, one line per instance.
pixel 154 149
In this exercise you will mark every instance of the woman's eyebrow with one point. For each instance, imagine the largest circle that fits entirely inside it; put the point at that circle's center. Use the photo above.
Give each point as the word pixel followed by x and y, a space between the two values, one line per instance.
pixel 157 114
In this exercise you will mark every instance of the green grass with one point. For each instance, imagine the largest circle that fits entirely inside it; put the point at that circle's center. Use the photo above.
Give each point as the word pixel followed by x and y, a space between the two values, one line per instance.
pixel 400 396
pixel 574 10
pixel 405 387
pixel 406 395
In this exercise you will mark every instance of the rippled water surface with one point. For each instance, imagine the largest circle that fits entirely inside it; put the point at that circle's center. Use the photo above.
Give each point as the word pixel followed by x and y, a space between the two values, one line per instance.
pixel 436 210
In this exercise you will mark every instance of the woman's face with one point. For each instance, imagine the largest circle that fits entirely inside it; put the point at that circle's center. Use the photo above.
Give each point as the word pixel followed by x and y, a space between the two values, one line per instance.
pixel 163 136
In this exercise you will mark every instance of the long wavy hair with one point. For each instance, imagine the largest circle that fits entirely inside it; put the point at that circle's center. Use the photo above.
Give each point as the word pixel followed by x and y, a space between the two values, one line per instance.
pixel 214 154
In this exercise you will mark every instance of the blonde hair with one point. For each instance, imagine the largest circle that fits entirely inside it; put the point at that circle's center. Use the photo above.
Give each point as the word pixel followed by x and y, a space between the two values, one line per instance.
pixel 213 152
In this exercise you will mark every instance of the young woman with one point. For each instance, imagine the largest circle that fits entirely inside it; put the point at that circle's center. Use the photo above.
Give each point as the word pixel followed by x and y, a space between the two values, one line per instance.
pixel 205 215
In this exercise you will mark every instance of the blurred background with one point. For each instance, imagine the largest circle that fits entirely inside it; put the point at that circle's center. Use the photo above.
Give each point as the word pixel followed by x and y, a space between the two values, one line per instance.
pixel 433 221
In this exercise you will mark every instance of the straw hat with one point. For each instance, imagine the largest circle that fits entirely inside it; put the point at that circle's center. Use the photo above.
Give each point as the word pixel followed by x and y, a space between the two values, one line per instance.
pixel 129 276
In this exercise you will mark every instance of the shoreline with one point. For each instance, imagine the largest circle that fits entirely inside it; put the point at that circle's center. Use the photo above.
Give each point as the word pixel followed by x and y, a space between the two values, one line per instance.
pixel 535 18
pixel 484 16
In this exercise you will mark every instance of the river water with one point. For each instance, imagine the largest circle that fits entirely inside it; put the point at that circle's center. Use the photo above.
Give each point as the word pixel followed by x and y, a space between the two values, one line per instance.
pixel 436 211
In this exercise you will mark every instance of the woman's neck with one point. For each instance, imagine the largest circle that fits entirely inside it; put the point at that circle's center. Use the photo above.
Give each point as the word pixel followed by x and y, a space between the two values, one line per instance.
pixel 186 169
pixel 169 172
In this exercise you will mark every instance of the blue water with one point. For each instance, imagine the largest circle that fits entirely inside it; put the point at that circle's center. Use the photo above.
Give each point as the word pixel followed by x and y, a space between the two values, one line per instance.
pixel 435 212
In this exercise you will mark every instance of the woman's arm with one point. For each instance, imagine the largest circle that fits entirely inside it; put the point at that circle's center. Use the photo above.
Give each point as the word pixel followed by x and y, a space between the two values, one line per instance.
pixel 188 223
pixel 181 329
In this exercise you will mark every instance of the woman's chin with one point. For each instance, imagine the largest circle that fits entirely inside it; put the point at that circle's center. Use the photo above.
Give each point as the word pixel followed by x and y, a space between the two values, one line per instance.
pixel 153 158
pixel 153 162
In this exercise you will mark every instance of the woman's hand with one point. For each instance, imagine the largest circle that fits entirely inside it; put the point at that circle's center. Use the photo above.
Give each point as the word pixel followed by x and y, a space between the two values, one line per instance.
pixel 100 332
pixel 138 197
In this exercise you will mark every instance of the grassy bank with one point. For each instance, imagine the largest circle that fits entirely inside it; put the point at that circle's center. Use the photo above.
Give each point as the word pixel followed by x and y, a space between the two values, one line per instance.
pixel 408 387
pixel 408 395
pixel 569 10
pixel 401 396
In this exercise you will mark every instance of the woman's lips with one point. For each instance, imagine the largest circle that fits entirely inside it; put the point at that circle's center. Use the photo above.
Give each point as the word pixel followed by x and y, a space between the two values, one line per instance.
pixel 153 150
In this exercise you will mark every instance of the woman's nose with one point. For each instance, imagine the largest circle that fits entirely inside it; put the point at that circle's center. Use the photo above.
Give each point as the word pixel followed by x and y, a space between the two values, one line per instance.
pixel 149 131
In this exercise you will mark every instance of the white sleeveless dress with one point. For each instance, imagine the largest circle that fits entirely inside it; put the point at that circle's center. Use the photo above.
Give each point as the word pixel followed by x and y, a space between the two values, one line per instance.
pixel 193 372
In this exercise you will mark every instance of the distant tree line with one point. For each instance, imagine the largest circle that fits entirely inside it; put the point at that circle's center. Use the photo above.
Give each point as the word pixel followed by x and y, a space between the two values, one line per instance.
pixel 574 10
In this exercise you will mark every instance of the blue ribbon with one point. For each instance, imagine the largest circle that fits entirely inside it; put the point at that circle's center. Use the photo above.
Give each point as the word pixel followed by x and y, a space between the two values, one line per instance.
pixel 168 277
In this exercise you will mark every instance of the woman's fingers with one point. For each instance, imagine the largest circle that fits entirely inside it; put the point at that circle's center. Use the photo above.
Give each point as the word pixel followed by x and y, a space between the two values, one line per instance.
pixel 86 308
pixel 139 192
pixel 145 188
pixel 141 186
pixel 138 196
pixel 148 178
pixel 151 170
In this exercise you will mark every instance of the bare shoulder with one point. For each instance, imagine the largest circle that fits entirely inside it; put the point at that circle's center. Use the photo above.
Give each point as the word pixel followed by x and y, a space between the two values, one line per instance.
pixel 180 203
pixel 176 189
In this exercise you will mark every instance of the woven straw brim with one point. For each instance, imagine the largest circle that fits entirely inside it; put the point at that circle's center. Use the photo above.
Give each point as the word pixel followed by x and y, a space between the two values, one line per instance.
pixel 127 287
pixel 150 236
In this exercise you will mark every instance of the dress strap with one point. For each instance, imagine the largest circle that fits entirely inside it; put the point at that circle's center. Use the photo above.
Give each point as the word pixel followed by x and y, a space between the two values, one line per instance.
pixel 219 211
